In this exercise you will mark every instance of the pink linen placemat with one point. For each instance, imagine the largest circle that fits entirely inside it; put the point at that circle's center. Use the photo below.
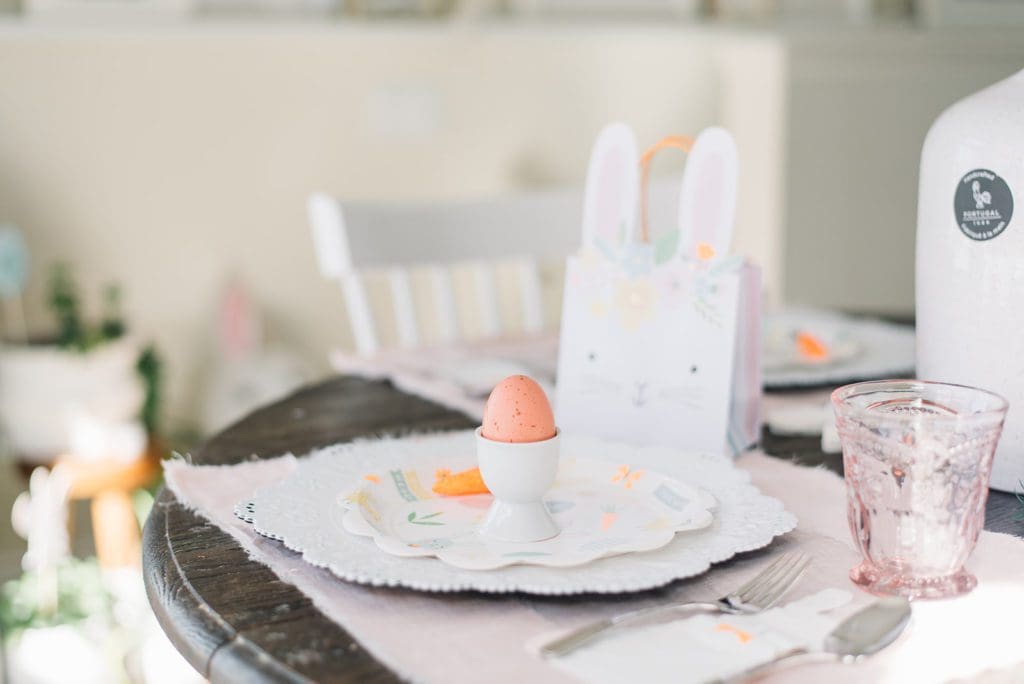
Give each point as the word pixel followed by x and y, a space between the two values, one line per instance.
pixel 471 638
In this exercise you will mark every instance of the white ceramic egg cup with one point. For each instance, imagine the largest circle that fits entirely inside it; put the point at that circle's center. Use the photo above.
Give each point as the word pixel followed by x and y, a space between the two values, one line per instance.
pixel 518 475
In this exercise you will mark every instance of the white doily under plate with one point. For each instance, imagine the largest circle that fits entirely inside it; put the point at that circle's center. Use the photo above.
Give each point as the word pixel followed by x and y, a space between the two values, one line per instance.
pixel 602 509
pixel 306 512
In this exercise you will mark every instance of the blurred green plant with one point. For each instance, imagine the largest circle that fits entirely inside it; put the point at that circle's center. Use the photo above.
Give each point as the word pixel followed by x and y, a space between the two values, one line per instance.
pixel 74 333
pixel 112 324
pixel 72 330
pixel 27 602
pixel 150 368
pixel 64 303
pixel 142 502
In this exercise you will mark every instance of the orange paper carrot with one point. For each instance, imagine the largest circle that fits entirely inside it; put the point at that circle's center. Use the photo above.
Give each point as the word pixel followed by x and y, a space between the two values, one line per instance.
pixel 447 483
pixel 811 347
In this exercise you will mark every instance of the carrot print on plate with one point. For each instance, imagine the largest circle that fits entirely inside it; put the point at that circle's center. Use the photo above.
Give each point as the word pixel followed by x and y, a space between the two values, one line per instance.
pixel 608 518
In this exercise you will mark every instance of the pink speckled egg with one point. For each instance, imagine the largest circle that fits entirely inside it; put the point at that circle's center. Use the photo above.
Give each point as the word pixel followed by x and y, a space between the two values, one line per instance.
pixel 518 411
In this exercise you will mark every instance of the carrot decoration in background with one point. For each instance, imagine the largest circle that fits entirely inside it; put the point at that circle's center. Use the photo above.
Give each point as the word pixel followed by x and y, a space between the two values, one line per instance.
pixel 705 251
pixel 811 347
pixel 466 482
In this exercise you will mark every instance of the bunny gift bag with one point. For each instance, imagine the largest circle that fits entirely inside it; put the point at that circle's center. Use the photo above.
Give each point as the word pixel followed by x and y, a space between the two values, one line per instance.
pixel 660 325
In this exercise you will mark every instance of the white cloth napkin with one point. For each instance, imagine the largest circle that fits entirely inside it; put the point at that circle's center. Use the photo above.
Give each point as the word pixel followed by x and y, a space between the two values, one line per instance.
pixel 705 647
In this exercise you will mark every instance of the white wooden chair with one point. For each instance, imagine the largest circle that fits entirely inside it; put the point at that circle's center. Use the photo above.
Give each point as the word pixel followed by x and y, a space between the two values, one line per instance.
pixel 355 239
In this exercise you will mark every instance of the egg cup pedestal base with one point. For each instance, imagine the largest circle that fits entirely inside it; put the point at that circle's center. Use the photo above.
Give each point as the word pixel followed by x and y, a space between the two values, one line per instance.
pixel 518 475
pixel 518 522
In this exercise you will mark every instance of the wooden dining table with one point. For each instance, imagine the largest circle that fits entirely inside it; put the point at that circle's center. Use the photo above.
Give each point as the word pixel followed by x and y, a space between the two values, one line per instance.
pixel 235 621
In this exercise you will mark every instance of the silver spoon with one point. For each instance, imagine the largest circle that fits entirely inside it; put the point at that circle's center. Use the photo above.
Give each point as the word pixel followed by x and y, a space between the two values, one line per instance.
pixel 867 631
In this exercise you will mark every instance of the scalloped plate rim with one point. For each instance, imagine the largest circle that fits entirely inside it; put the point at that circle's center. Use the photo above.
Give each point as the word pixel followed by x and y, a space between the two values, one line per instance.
pixel 774 521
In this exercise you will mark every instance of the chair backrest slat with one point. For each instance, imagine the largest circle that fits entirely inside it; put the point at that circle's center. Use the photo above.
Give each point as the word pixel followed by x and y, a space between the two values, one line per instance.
pixel 330 237
pixel 364 329
pixel 544 225
pixel 444 303
pixel 404 308
pixel 531 295
pixel 486 291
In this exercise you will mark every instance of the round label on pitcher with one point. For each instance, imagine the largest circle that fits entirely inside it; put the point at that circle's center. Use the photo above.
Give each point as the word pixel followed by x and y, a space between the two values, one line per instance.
pixel 983 205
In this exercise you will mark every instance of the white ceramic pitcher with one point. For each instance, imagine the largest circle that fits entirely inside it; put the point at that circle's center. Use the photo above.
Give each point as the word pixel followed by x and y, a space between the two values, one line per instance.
pixel 970 257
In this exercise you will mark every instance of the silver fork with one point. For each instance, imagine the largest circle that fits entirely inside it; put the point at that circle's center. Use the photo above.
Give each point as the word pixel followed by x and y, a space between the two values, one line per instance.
pixel 758 594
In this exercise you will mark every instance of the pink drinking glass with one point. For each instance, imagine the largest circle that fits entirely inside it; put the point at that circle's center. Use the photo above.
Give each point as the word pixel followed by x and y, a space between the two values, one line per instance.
pixel 917 457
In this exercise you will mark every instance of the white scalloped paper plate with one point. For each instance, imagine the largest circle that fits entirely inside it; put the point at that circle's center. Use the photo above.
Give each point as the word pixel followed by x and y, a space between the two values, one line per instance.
pixel 306 511
pixel 602 509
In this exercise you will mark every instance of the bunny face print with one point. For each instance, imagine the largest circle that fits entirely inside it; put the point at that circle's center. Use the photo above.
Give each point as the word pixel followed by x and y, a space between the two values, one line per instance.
pixel 649 327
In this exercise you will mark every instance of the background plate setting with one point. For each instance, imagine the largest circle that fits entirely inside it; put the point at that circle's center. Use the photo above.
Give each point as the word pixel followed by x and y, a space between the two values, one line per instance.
pixel 862 349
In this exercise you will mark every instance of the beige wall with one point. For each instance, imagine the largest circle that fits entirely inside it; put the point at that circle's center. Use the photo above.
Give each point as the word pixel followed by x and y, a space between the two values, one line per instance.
pixel 859 108
pixel 168 159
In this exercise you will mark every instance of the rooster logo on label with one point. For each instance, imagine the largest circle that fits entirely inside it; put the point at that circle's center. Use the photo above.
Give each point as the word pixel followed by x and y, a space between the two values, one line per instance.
pixel 983 205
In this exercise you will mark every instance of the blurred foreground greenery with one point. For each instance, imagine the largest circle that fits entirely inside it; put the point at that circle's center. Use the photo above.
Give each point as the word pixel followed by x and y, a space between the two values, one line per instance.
pixel 70 594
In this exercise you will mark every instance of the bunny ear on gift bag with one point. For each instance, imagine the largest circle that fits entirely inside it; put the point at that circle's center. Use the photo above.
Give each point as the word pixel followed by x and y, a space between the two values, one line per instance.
pixel 610 199
pixel 707 201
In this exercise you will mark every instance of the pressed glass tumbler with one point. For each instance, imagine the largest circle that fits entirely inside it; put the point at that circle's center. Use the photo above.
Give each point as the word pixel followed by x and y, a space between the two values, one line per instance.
pixel 917 457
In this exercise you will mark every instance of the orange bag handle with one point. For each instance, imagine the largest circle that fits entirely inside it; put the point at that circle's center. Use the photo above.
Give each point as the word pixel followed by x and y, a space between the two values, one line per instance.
pixel 679 142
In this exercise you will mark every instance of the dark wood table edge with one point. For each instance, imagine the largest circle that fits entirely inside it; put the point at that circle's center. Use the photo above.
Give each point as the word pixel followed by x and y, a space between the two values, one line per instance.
pixel 221 652
pixel 187 613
